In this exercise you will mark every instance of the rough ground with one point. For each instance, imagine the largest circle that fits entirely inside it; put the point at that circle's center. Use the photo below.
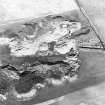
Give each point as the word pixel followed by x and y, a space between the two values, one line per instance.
pixel 90 87
pixel 94 94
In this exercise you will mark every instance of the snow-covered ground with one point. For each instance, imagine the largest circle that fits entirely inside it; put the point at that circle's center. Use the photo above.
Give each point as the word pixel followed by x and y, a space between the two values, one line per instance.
pixel 15 9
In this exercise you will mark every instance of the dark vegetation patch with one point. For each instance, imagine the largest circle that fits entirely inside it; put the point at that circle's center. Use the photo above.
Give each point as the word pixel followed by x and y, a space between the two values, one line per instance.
pixel 4 84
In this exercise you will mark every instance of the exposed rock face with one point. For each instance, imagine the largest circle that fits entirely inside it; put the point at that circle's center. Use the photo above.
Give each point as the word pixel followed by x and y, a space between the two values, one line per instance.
pixel 45 51
pixel 30 40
